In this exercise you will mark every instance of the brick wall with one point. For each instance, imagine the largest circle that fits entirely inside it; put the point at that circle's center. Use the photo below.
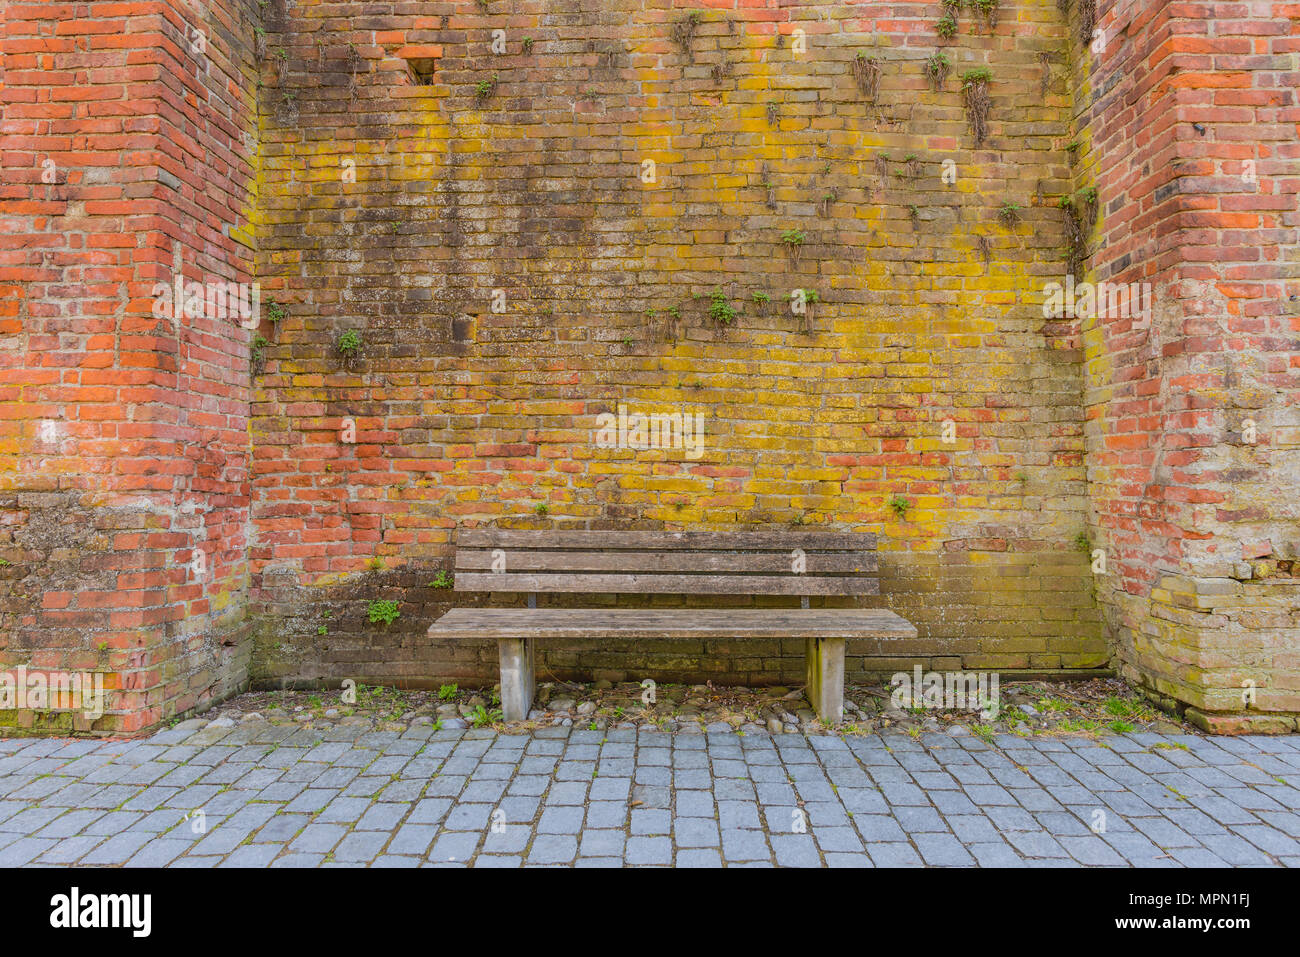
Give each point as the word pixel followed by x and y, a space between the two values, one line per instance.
pixel 1188 116
pixel 123 447
pixel 395 208
pixel 487 225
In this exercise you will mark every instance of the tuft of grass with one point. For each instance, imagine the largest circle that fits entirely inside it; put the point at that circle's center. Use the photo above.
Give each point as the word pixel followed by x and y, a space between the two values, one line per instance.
pixel 481 717
pixel 383 610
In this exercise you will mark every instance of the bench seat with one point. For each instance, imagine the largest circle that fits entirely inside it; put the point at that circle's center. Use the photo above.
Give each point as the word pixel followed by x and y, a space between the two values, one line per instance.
pixel 633 623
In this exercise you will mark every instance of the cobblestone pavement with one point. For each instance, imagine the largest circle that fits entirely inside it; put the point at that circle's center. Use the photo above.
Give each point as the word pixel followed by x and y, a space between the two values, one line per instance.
pixel 288 797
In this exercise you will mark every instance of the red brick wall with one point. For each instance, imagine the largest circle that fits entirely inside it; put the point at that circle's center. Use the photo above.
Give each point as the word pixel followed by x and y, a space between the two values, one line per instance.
pixel 123 445
pixel 1175 109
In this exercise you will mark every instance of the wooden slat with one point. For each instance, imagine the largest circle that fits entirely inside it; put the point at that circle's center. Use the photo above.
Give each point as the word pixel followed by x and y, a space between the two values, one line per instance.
pixel 662 541
pixel 636 623
pixel 668 584
pixel 482 559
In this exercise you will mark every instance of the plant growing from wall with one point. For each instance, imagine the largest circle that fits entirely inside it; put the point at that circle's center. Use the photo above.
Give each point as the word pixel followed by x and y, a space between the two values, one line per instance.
pixel 1009 214
pixel 825 203
pixel 900 506
pixel 866 71
pixel 442 580
pixel 1072 148
pixel 1089 197
pixel 275 312
pixel 484 89
pixel 882 166
pixel 1076 250
pixel 810 301
pixel 349 348
pixel 937 68
pixel 987 10
pixel 793 239
pixel 720 310
pixel 281 65
pixel 259 43
pixel 946 27
pixel 383 610
pixel 684 34
pixel 773 113
pixel 912 165
pixel 914 214
pixel 1087 20
pixel 1045 79
pixel 761 300
pixel 985 247
pixel 528 45
pixel 257 356
pixel 540 509
pixel 975 93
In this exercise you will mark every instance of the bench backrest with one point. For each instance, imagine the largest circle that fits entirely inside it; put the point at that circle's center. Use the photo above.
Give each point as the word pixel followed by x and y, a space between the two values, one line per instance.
pixel 683 563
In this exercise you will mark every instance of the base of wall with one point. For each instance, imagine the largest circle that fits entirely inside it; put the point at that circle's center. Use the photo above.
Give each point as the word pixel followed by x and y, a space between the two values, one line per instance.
pixel 1242 722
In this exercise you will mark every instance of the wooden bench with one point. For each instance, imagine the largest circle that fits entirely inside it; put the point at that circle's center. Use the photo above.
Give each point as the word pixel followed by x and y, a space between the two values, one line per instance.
pixel 792 563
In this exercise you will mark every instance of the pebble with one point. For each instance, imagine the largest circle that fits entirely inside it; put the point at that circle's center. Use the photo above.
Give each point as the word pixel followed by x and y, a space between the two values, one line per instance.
pixel 694 710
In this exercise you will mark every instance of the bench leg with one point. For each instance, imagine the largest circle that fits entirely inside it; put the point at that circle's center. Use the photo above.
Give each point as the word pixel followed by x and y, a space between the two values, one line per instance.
pixel 825 690
pixel 516 677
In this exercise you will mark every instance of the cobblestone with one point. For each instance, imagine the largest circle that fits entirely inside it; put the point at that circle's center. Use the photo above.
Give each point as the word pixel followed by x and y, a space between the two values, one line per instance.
pixel 204 798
